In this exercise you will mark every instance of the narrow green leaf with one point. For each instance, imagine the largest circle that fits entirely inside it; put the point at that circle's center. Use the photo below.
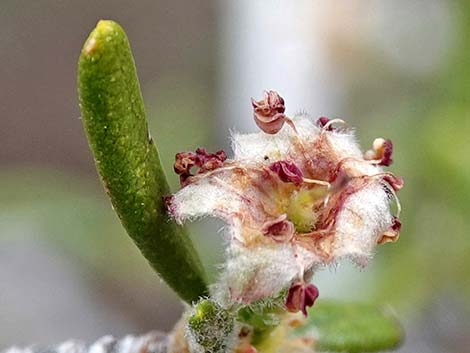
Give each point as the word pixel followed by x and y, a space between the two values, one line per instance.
pixel 351 327
pixel 127 160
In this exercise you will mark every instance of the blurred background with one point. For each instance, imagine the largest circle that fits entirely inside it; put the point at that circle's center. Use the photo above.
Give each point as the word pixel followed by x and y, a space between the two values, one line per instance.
pixel 398 69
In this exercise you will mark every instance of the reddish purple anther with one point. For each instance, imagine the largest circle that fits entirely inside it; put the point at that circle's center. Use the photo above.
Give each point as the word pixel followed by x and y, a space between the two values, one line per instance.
pixel 269 112
pixel 386 153
pixel 209 161
pixel 396 224
pixel 381 152
pixel 280 229
pixel 392 234
pixel 322 121
pixel 301 296
pixel 395 182
pixel 287 171
pixel 184 161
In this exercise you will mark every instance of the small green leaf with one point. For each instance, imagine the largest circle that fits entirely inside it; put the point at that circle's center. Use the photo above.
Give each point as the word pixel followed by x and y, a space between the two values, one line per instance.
pixel 351 327
pixel 127 160
pixel 263 316
pixel 210 327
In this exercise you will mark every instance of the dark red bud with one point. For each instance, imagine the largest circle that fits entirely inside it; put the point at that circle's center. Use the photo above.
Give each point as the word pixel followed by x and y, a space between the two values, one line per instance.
pixel 300 297
pixel 311 294
pixel 287 171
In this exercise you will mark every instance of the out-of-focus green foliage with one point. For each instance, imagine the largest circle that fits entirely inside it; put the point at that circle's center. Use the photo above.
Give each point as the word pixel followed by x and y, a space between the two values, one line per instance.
pixel 351 327
pixel 185 106
pixel 70 214
pixel 430 128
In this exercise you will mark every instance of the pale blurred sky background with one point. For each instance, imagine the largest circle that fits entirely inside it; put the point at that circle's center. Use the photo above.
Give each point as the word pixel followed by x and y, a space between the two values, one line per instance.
pixel 399 69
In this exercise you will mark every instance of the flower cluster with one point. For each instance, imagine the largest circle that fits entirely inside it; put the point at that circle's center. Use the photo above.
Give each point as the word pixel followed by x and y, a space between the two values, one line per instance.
pixel 296 196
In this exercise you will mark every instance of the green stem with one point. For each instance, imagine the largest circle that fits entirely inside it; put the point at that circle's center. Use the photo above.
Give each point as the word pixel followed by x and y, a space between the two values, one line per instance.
pixel 127 160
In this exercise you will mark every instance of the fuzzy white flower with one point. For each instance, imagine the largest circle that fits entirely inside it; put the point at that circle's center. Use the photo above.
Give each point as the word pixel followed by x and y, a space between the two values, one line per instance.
pixel 296 196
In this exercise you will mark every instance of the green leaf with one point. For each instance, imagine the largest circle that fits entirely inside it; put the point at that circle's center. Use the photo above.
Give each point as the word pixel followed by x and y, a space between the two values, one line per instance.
pixel 210 326
pixel 351 327
pixel 263 316
pixel 127 160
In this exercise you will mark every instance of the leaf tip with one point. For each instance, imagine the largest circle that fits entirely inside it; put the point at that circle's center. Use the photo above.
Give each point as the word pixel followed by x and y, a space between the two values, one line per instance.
pixel 104 32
